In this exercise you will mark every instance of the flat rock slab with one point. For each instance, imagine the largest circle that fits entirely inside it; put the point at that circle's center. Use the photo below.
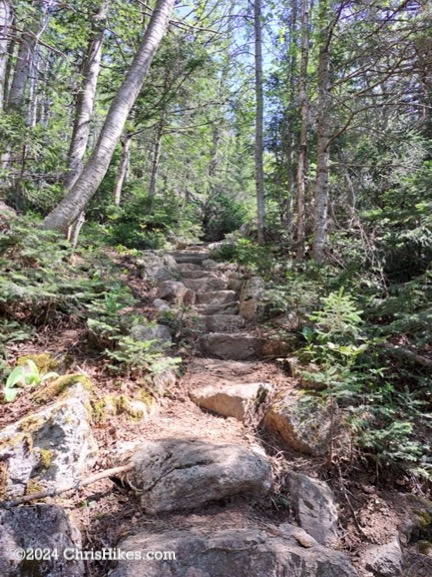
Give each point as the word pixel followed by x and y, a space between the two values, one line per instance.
pixel 302 426
pixel 210 283
pixel 47 448
pixel 314 507
pixel 239 347
pixel 190 257
pixel 224 323
pixel 38 527
pixel 174 474
pixel 216 297
pixel 225 309
pixel 238 400
pixel 384 560
pixel 284 551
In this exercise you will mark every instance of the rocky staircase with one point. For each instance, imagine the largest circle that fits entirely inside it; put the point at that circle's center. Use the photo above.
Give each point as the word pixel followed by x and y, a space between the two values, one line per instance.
pixel 193 458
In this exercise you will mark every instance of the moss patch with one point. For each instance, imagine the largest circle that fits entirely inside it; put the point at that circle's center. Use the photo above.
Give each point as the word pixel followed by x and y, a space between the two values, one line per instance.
pixel 44 362
pixel 46 456
pixel 60 386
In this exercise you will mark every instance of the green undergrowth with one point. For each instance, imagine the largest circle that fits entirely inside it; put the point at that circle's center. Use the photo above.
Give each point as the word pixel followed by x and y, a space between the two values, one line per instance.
pixel 44 284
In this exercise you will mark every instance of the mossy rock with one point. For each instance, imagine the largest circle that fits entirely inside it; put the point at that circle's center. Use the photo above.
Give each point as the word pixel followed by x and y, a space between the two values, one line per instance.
pixel 137 408
pixel 44 362
pixel 58 388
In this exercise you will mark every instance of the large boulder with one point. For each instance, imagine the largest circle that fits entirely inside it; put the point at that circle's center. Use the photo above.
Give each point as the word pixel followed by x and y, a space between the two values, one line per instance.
pixel 251 306
pixel 157 266
pixel 314 507
pixel 237 346
pixel 303 424
pixel 236 400
pixel 173 474
pixel 283 551
pixel 43 528
pixel 48 448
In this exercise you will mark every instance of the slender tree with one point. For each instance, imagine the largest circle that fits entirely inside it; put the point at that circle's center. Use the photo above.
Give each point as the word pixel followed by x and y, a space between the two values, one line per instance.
pixel 5 22
pixel 302 154
pixel 259 122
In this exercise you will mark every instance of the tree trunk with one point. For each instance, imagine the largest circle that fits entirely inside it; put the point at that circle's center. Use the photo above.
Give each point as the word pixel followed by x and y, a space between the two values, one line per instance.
pixel 301 161
pixel 95 169
pixel 259 122
pixel 5 22
pixel 122 169
pixel 85 101
pixel 155 161
pixel 323 147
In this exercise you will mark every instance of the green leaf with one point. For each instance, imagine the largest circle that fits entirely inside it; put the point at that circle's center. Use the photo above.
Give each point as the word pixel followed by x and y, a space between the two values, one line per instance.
pixel 15 377
pixel 10 394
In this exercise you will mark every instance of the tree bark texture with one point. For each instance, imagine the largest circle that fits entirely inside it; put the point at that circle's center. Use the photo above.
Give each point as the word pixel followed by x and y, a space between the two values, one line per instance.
pixel 85 101
pixel 302 155
pixel 122 169
pixel 5 22
pixel 259 122
pixel 96 167
pixel 323 146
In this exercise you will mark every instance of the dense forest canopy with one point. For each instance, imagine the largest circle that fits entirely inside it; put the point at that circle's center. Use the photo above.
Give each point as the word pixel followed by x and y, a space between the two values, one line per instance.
pixel 301 131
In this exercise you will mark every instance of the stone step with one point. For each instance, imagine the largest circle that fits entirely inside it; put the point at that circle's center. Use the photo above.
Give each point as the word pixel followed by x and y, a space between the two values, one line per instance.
pixel 223 309
pixel 207 284
pixel 190 257
pixel 238 347
pixel 220 297
pixel 186 267
pixel 224 323
pixel 194 274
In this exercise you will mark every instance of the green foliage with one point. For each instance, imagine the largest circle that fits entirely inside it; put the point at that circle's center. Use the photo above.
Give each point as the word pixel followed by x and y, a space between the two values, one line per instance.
pixel 139 357
pixel 25 376
pixel 222 215
pixel 246 253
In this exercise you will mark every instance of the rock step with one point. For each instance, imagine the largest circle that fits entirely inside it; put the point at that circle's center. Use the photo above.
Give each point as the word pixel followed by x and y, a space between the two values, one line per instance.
pixel 205 551
pixel 198 273
pixel 221 309
pixel 238 347
pixel 219 297
pixel 190 257
pixel 208 284
pixel 224 323
pixel 186 267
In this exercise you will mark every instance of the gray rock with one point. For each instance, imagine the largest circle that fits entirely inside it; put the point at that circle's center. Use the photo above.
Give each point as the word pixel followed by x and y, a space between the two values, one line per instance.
pixel 224 323
pixel 251 294
pixel 210 264
pixel 216 297
pixel 183 257
pixel 384 560
pixel 239 347
pixel 236 400
pixel 157 266
pixel 161 305
pixel 186 267
pixel 210 283
pixel 176 474
pixel 159 333
pixel 175 292
pixel 314 507
pixel 47 448
pixel 39 527
pixel 304 427
pixel 226 309
pixel 284 551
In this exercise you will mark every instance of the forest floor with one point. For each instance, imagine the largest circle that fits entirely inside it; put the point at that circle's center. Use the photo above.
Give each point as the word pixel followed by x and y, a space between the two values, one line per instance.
pixel 372 507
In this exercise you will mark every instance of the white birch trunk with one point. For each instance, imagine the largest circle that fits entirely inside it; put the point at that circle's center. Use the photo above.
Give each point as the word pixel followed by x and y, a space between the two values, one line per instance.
pixel 122 169
pixel 96 167
pixel 5 22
